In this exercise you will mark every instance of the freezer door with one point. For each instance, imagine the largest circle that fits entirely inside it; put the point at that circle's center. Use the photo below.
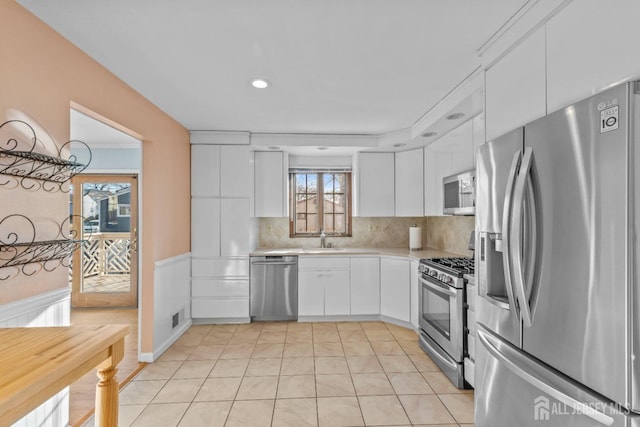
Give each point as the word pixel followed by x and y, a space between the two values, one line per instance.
pixel 517 390
pixel 495 175
pixel 579 293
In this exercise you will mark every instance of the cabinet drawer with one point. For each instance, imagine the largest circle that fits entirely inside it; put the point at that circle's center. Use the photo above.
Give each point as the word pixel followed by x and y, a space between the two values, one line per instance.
pixel 220 267
pixel 219 288
pixel 211 308
pixel 323 262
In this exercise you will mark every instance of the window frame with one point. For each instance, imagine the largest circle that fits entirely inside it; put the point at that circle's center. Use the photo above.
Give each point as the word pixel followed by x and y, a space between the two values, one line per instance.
pixel 320 206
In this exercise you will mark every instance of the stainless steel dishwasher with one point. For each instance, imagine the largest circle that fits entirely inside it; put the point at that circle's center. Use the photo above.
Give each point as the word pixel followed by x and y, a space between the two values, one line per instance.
pixel 274 288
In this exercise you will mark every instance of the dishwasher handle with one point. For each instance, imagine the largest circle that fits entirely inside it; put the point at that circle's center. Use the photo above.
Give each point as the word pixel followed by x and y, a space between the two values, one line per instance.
pixel 273 263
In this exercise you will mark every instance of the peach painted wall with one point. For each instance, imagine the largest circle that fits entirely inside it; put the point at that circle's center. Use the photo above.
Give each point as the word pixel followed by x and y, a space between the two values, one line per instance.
pixel 42 74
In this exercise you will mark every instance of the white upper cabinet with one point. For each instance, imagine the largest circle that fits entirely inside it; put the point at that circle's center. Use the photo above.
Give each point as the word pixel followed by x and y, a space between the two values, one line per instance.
pixel 515 87
pixel 270 196
pixel 235 171
pixel 220 170
pixel 478 134
pixel 205 170
pixel 375 182
pixel 437 165
pixel 460 142
pixel 409 183
pixel 591 44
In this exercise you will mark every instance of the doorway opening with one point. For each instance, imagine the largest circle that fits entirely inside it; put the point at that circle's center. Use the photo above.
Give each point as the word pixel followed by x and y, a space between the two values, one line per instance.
pixel 104 274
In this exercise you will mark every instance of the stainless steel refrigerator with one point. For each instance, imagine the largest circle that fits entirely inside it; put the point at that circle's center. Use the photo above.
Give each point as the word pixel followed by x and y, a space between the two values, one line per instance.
pixel 557 262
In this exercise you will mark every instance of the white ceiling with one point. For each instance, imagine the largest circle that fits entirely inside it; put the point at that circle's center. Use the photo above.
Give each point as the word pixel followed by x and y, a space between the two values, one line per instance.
pixel 336 66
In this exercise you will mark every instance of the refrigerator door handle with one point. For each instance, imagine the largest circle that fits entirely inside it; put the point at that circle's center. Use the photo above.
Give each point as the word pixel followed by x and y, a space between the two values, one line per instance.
pixel 538 376
pixel 516 248
pixel 506 231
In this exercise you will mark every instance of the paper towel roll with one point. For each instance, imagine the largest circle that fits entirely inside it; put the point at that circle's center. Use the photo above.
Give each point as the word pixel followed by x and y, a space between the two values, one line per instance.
pixel 415 238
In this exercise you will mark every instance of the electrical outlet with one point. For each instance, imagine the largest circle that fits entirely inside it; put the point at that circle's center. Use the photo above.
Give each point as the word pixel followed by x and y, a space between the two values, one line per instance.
pixel 374 228
pixel 269 228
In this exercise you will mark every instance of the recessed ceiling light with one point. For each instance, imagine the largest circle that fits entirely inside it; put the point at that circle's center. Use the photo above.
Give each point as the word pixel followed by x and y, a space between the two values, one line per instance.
pixel 273 147
pixel 323 148
pixel 399 144
pixel 428 134
pixel 455 116
pixel 260 83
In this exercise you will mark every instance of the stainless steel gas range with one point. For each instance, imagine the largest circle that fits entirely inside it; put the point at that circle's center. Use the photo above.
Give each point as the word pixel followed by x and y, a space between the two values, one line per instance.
pixel 442 312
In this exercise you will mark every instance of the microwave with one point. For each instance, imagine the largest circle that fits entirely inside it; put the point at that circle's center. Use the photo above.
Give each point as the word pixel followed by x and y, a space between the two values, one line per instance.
pixel 459 193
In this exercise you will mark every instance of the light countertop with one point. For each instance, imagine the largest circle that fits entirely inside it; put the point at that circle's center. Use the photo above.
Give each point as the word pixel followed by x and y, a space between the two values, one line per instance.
pixel 399 252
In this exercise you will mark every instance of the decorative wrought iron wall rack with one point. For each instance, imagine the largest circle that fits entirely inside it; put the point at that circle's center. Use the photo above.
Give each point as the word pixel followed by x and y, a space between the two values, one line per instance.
pixel 22 165
pixel 21 252
pixel 31 169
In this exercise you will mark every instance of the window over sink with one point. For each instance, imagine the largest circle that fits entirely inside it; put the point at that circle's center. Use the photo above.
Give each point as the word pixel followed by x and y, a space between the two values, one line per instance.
pixel 320 201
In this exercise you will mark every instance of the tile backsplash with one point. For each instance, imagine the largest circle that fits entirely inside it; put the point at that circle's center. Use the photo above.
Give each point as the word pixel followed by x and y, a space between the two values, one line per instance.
pixel 449 233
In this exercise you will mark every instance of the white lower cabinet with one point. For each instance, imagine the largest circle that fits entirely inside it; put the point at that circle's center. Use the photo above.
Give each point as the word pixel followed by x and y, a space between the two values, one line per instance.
pixel 310 293
pixel 337 296
pixel 323 286
pixel 395 293
pixel 220 288
pixel 365 285
pixel 415 294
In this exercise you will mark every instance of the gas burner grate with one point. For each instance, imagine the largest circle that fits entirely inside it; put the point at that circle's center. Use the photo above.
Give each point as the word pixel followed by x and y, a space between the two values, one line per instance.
pixel 459 265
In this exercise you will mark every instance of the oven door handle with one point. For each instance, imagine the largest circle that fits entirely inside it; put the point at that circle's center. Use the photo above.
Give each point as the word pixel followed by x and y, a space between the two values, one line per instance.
pixel 438 287
pixel 443 357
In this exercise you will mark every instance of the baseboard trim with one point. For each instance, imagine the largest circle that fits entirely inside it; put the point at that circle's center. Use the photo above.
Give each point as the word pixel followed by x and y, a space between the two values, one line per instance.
pixel 342 318
pixel 152 357
pixel 397 322
pixel 221 320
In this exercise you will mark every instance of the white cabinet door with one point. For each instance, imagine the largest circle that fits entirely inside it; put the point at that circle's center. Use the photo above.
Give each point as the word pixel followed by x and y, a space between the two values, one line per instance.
pixel 235 229
pixel 409 183
pixel 365 285
pixel 235 171
pixel 395 281
pixel 336 293
pixel 478 134
pixel 269 184
pixel 205 227
pixel 376 184
pixel 460 142
pixel 205 170
pixel 515 87
pixel 591 45
pixel 415 293
pixel 310 293
pixel 437 165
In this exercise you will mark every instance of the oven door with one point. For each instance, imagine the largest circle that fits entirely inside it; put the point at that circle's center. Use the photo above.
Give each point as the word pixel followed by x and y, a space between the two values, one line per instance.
pixel 441 315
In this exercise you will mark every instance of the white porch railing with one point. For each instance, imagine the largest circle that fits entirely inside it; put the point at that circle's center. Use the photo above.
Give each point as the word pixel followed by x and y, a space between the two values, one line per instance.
pixel 106 253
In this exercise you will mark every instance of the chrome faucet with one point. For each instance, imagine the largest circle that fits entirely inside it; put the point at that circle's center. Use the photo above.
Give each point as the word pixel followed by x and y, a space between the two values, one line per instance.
pixel 322 238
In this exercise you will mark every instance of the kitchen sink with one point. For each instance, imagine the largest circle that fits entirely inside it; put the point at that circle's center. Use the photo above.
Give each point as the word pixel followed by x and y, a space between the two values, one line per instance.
pixel 322 250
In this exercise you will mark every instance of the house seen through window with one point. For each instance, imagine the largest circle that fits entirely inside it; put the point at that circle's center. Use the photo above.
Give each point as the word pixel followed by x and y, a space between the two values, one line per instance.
pixel 320 201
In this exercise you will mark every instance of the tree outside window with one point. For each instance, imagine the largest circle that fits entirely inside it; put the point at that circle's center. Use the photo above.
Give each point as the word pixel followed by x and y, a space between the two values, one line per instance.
pixel 320 201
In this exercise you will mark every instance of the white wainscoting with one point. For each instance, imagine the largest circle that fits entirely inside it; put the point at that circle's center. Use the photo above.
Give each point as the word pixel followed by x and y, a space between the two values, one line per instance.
pixel 171 295
pixel 48 309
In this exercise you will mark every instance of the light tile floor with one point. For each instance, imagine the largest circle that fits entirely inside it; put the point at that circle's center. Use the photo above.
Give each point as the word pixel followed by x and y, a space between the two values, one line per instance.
pixel 281 374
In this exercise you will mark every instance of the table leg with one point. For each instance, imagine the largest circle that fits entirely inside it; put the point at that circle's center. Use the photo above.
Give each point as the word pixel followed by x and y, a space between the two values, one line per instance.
pixel 107 389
